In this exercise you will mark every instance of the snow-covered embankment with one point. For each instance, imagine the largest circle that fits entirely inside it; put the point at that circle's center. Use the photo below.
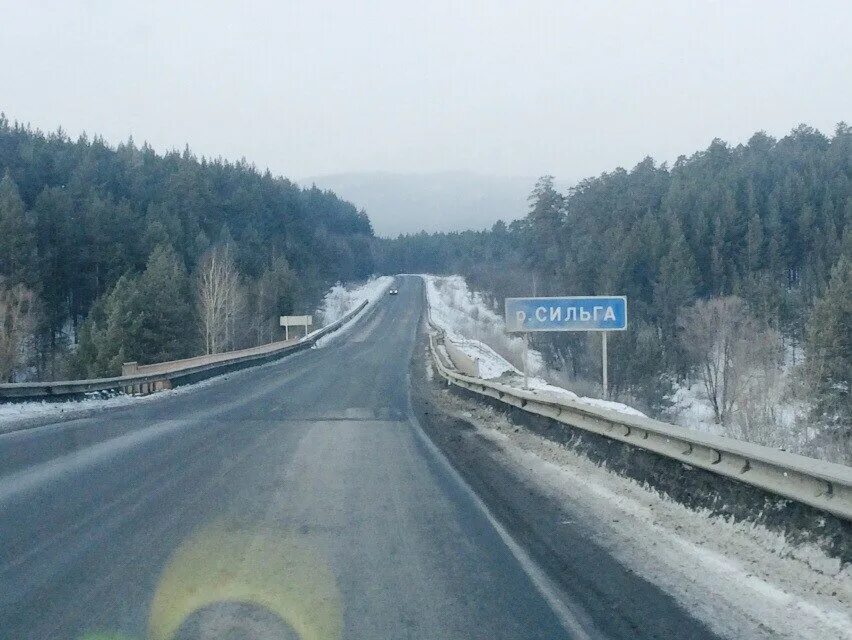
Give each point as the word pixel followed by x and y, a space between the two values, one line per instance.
pixel 470 323
pixel 341 299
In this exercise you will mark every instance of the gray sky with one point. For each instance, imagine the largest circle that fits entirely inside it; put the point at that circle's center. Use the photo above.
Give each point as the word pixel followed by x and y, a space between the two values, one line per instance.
pixel 510 88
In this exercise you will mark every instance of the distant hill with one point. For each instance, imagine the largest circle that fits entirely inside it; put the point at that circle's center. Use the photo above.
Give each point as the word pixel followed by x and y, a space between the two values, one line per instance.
pixel 406 203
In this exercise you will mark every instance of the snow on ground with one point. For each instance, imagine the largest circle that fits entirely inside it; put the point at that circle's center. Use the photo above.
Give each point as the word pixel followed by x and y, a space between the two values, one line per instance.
pixel 741 579
pixel 774 414
pixel 17 415
pixel 491 364
pixel 465 314
pixel 472 325
pixel 11 415
pixel 336 304
pixel 769 414
pixel 691 409
pixel 341 299
pixel 612 406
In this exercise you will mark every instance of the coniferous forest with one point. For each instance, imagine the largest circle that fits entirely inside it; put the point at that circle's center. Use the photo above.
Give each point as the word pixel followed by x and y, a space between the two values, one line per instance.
pixel 745 250
pixel 101 248
pixel 109 255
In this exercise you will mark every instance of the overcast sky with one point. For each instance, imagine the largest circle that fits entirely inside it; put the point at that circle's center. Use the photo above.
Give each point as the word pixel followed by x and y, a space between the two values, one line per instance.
pixel 511 88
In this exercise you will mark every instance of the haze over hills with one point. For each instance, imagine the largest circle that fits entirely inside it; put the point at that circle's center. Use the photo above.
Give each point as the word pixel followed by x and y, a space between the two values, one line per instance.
pixel 447 201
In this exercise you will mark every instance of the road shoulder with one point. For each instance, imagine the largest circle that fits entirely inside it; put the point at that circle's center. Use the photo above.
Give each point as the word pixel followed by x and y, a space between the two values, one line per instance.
pixel 640 564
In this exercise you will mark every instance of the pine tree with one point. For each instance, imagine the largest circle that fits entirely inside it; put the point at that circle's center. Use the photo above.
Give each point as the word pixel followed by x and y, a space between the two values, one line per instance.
pixel 146 318
pixel 717 258
pixel 754 243
pixel 57 267
pixel 17 240
pixel 546 217
pixel 673 290
pixel 828 354
pixel 278 293
pixel 165 309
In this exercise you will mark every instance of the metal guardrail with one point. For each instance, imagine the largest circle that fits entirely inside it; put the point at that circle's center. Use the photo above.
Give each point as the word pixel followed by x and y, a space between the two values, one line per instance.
pixel 134 368
pixel 144 383
pixel 824 485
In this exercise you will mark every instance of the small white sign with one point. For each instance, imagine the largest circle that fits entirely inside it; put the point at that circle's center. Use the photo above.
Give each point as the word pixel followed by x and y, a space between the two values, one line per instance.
pixel 296 321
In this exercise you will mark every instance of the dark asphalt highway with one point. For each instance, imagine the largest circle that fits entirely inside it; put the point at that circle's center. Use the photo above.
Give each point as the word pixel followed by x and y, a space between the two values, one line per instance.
pixel 303 488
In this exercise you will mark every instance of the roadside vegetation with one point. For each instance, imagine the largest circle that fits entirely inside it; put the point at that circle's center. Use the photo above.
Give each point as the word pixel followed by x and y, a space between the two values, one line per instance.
pixel 737 264
pixel 116 254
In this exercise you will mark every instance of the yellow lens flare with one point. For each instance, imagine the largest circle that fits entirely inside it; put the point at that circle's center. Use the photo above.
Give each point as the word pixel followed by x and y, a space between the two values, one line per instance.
pixel 282 572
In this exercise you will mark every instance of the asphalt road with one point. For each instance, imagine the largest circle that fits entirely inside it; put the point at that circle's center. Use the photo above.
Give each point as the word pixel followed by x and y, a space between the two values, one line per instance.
pixel 304 487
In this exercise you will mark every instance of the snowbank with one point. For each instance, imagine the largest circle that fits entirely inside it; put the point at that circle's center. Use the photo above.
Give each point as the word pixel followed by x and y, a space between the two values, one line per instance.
pixel 741 579
pixel 340 300
pixel 491 365
pixel 612 406
pixel 17 415
pixel 12 414
pixel 472 325
pixel 466 318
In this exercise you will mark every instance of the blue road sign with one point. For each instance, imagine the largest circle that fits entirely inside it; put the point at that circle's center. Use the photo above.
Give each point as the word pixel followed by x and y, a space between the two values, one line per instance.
pixel 573 313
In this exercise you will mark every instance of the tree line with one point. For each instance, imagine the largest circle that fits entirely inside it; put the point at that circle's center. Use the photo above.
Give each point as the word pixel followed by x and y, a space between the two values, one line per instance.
pixel 760 232
pixel 736 262
pixel 111 254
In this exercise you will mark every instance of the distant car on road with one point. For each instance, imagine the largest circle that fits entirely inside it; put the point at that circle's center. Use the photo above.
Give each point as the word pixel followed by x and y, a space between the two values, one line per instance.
pixel 393 292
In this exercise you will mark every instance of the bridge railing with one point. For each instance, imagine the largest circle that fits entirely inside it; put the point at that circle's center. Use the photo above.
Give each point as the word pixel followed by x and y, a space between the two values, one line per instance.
pixel 165 375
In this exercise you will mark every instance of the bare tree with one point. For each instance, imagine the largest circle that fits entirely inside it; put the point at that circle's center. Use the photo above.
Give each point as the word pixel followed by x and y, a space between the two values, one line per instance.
pixel 759 408
pixel 17 320
pixel 220 299
pixel 723 339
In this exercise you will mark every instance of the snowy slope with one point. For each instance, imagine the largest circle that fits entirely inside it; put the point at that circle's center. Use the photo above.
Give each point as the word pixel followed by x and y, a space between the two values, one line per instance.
pixel 473 326
pixel 341 299
pixel 16 415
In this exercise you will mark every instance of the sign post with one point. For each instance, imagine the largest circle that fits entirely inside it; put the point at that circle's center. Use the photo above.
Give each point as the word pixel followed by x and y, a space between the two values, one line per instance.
pixel 295 321
pixel 570 313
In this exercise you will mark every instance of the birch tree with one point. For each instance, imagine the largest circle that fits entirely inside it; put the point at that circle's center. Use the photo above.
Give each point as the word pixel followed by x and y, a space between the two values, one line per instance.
pixel 723 339
pixel 219 299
